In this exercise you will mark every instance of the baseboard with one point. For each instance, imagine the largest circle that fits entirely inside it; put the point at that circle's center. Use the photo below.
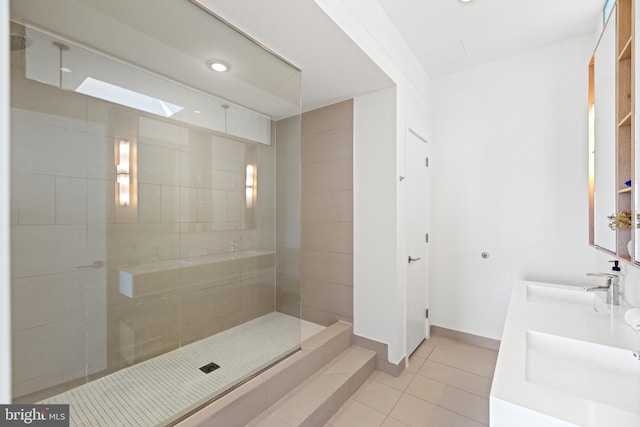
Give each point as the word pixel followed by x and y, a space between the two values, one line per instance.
pixel 465 337
pixel 382 355
pixel 395 369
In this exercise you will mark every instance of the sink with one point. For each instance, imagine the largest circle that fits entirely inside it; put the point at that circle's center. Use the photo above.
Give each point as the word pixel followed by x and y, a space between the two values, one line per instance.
pixel 596 372
pixel 572 295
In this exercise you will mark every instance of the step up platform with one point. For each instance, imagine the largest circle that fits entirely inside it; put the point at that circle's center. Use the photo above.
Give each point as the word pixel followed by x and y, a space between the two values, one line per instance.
pixel 317 399
pixel 306 388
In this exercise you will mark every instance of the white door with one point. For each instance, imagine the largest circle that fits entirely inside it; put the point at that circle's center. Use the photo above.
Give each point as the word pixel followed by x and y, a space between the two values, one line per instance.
pixel 416 164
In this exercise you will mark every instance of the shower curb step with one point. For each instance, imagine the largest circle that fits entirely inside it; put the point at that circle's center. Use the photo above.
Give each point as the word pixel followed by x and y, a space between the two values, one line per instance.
pixel 262 393
pixel 315 401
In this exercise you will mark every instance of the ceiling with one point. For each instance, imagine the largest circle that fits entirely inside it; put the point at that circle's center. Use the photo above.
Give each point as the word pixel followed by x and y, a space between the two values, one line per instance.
pixel 333 67
pixel 449 35
pixel 176 40
pixel 445 35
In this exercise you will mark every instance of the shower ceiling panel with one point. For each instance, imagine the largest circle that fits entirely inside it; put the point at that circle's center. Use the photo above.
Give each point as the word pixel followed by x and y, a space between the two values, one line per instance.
pixel 64 64
pixel 175 40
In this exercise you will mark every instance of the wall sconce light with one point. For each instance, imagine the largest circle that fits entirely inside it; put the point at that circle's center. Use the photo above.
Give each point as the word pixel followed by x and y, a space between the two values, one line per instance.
pixel 123 174
pixel 250 185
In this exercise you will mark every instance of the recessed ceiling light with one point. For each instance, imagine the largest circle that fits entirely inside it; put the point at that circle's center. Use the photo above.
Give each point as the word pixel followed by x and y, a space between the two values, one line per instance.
pixel 465 1
pixel 219 66
pixel 65 69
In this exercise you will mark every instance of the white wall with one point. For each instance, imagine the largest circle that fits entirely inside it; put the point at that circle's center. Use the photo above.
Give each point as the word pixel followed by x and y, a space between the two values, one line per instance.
pixel 374 263
pixel 365 22
pixel 510 178
pixel 5 297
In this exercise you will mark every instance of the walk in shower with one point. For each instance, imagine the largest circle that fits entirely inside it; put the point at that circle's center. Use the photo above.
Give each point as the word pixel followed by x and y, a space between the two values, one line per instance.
pixel 155 219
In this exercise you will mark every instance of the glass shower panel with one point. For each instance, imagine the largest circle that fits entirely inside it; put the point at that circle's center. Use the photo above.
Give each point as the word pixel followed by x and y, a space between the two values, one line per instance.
pixel 58 240
pixel 150 201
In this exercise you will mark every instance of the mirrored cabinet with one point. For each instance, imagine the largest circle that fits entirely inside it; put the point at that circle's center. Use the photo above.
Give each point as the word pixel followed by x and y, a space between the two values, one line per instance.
pixel 614 207
pixel 634 154
pixel 602 111
pixel 621 220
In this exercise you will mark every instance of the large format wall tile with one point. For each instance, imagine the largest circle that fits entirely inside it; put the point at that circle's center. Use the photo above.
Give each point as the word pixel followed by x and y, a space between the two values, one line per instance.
pixel 328 266
pixel 327 213
pixel 71 200
pixel 36 198
pixel 38 250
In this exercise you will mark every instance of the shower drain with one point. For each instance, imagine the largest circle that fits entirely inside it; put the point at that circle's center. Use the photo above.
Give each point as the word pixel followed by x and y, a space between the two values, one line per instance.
pixel 209 367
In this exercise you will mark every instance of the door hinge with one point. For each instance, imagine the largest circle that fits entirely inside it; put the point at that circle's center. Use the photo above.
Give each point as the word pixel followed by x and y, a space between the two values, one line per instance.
pixel 426 238
pixel 427 313
pixel 427 162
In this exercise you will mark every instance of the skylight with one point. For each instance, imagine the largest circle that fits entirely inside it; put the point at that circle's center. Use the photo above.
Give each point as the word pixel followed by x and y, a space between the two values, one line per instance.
pixel 127 97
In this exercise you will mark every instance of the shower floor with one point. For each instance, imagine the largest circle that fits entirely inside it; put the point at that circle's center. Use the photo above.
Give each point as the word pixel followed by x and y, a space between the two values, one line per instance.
pixel 155 391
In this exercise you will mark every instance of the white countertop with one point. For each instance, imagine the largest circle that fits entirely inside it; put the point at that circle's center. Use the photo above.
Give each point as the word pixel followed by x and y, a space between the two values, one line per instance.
pixel 526 391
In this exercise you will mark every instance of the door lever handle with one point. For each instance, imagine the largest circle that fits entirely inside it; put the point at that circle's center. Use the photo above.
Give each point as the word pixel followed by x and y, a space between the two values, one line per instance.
pixel 95 264
pixel 413 259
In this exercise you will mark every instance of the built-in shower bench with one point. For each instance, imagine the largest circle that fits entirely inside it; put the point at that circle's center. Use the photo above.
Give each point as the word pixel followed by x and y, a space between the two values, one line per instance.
pixel 155 277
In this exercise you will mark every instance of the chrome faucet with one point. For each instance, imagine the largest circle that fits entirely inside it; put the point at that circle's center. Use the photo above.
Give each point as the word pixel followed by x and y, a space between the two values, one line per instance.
pixel 611 286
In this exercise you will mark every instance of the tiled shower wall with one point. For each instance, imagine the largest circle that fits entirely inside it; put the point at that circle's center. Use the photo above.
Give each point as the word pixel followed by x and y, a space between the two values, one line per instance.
pixel 327 214
pixel 196 180
pixel 288 221
pixel 70 322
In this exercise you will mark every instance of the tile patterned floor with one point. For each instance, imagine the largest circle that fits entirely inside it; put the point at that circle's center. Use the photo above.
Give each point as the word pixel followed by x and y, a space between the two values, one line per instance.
pixel 158 389
pixel 447 384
